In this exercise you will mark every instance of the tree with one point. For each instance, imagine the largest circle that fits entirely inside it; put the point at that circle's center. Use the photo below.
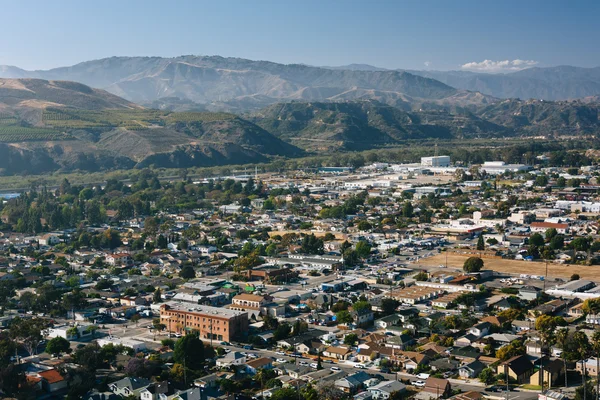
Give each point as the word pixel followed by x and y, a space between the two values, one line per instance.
pixel 361 305
pixel 581 346
pixel 351 339
pixel 135 318
pixel 177 373
pixel 157 296
pixel 473 264
pixel 282 331
pixel 574 277
pixel 562 338
pixel 58 345
pixel 363 249
pixel 596 350
pixel 187 272
pixel 343 317
pixel 407 210
pixel 514 348
pixel 270 322
pixel 288 393
pixel 591 306
pixel 557 242
pixel 550 233
pixel 487 376
pixel 536 239
pixel 480 243
pixel 189 351
pixel 28 332
pixel 91 329
pixel 389 305
pixel 541 180
pixel 161 242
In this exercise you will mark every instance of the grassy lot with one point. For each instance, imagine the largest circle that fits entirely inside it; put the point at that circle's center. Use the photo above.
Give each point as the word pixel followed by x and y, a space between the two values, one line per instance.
pixel 591 272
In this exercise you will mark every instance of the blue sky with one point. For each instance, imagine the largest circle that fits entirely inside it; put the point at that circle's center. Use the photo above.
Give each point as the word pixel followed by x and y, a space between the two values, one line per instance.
pixel 441 35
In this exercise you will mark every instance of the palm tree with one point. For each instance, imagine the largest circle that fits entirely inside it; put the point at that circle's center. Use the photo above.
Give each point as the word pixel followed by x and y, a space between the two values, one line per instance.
pixel 562 337
pixel 596 349
pixel 582 346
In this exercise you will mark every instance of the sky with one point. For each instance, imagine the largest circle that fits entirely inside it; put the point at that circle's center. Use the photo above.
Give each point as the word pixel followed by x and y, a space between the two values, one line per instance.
pixel 483 35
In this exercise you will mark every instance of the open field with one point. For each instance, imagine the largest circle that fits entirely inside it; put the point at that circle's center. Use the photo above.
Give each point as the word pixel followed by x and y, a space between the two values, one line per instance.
pixel 591 272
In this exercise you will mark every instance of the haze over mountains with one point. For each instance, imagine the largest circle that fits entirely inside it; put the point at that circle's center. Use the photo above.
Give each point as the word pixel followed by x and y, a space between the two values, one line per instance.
pixel 238 85
pixel 234 84
pixel 168 112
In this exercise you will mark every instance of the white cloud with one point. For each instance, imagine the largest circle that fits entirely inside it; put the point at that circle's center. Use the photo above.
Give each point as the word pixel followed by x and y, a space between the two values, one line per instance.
pixel 427 63
pixel 499 66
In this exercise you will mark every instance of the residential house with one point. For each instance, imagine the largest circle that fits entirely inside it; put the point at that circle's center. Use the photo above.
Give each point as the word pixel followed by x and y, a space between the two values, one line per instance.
pixel 529 293
pixel 389 320
pixel 518 368
pixel 437 387
pixel 383 390
pixel 362 317
pixel 471 370
pixel 156 391
pixel 253 366
pixel 590 366
pixel 338 353
pixel 353 383
pixel 189 394
pixel 480 330
pixel 444 364
pixel 119 259
pixel 231 358
pixel 129 386
pixel 52 381
pixel 553 372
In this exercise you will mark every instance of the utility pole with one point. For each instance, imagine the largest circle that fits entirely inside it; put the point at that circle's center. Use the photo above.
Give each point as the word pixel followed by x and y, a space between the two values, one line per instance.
pixel 506 378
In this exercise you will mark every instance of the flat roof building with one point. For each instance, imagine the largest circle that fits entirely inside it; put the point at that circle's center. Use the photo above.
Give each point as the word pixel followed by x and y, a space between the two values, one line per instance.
pixel 211 323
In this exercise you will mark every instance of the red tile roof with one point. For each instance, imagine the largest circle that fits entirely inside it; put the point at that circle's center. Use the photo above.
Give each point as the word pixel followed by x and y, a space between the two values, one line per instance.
pixel 51 376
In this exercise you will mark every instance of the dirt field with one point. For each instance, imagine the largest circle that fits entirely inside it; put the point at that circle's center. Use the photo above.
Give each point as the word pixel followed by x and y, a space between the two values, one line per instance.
pixel 591 272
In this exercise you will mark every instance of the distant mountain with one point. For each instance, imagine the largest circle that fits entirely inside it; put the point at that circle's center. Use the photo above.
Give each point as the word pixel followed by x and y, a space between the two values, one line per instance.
pixel 553 83
pixel 357 125
pixel 234 84
pixel 358 67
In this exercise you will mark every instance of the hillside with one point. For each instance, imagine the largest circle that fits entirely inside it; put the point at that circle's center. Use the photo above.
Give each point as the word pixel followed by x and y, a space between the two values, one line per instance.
pixel 553 83
pixel 47 126
pixel 365 124
pixel 234 84
pixel 38 93
pixel 545 117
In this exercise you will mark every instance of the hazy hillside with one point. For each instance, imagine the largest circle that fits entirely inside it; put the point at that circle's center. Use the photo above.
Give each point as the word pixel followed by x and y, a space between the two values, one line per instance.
pixel 234 84
pixel 365 124
pixel 38 93
pixel 545 117
pixel 554 83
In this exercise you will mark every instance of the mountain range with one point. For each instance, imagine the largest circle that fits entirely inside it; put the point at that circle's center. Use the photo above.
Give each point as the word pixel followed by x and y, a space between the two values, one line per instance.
pixel 169 112
pixel 237 85
pixel 551 83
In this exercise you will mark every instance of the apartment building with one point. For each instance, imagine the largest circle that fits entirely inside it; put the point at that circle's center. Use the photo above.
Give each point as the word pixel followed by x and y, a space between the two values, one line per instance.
pixel 211 323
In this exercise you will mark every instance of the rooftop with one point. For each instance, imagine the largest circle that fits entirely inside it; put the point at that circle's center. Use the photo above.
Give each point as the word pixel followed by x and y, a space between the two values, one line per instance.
pixel 201 309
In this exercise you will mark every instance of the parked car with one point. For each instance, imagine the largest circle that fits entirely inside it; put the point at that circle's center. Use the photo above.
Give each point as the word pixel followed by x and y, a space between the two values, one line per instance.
pixel 419 384
pixel 359 366
pixel 314 365
pixel 335 368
